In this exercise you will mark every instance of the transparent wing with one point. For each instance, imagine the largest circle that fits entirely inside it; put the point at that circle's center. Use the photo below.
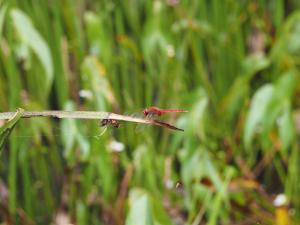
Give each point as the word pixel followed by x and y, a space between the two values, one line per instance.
pixel 142 127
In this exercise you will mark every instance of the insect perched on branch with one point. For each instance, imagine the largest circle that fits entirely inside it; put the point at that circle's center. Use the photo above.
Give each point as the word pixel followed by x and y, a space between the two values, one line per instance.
pixel 106 122
pixel 157 111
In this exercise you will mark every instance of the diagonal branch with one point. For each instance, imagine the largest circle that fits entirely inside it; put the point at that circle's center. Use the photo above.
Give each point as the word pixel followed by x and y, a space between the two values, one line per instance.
pixel 86 115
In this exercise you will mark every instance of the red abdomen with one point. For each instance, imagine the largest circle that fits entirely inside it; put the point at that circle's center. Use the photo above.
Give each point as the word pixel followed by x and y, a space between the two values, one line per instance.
pixel 158 111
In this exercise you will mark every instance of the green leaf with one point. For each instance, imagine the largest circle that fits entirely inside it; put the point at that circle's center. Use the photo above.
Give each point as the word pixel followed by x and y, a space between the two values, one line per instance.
pixel 93 75
pixel 32 39
pixel 285 52
pixel 236 95
pixel 3 10
pixel 258 109
pixel 286 127
pixel 95 37
pixel 218 204
pixel 232 102
pixel 286 85
pixel 7 128
pixel 254 64
pixel 140 209
pixel 145 209
pixel 160 215
pixel 197 117
pixel 71 136
pixel 284 89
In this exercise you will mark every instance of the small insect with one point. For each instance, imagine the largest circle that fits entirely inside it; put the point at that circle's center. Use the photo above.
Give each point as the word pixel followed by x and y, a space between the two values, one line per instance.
pixel 106 122
pixel 179 187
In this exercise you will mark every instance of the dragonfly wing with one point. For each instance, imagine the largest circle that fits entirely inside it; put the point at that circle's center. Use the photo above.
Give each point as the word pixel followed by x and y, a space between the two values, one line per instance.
pixel 167 125
pixel 142 127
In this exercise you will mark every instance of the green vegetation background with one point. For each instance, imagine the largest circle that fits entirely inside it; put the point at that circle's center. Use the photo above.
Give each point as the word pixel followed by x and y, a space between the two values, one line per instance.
pixel 233 64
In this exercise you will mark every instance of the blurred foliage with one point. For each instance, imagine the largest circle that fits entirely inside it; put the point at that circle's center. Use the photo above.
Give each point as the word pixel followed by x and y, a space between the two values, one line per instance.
pixel 7 128
pixel 233 64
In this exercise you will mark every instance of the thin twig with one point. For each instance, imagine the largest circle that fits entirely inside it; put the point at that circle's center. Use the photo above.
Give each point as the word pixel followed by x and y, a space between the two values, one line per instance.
pixel 86 115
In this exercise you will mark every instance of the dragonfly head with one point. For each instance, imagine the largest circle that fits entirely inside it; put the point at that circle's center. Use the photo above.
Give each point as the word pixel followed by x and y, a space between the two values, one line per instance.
pixel 146 112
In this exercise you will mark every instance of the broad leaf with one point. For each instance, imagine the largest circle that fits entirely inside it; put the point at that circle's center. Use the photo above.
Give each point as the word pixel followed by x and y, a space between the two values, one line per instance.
pixel 3 10
pixel 259 106
pixel 286 127
pixel 32 38
pixel 140 209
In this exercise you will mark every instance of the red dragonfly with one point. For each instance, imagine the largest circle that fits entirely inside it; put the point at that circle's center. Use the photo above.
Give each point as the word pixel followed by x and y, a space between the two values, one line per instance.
pixel 157 111
pixel 149 113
